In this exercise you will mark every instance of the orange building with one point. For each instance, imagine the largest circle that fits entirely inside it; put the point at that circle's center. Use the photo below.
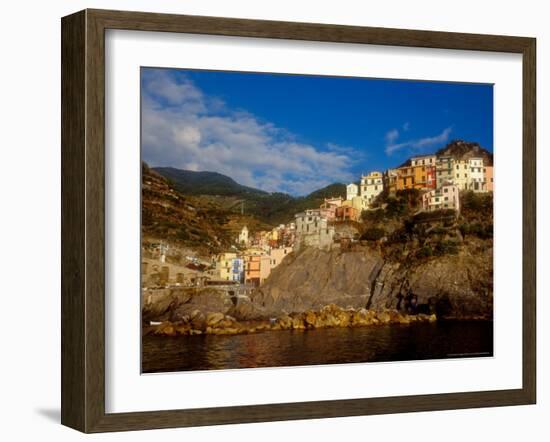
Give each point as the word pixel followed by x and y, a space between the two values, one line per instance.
pixel 415 177
pixel 252 269
pixel 347 213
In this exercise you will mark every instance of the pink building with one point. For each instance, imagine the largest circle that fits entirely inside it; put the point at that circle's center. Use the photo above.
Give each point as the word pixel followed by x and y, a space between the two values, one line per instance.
pixel 446 197
pixel 488 171
pixel 328 208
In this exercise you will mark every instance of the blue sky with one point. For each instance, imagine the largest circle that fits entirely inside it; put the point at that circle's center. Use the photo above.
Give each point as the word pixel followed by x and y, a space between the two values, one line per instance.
pixel 295 133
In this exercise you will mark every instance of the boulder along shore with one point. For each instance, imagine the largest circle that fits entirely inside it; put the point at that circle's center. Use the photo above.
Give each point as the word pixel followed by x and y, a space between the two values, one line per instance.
pixel 317 289
pixel 330 316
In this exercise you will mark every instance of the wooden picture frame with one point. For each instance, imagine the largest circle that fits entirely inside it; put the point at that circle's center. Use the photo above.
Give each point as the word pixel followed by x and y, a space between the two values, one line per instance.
pixel 83 220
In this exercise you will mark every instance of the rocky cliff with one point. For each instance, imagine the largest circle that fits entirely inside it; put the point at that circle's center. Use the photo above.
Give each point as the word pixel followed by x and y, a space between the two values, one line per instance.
pixel 457 286
pixel 315 278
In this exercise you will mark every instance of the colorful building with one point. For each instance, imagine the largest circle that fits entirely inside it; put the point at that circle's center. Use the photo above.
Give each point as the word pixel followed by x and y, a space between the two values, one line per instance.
pixel 252 269
pixel 287 235
pixel 224 266
pixel 347 213
pixel 243 236
pixel 390 180
pixel 358 203
pixel 424 160
pixel 416 177
pixel 328 208
pixel 265 267
pixel 371 186
pixel 489 182
pixel 237 273
pixel 461 174
pixel 277 255
pixel 446 197
pixel 352 190
pixel 313 230
pixel 444 171
pixel 477 176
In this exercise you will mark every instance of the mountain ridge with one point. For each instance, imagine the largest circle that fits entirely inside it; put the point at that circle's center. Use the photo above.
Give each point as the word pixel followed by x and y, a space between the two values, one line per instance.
pixel 272 208
pixel 459 150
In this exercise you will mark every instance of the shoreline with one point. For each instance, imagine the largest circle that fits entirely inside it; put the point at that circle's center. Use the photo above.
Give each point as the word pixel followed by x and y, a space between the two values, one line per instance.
pixel 330 316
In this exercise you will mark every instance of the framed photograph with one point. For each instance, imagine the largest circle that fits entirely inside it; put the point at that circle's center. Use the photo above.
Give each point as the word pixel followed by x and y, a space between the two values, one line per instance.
pixel 267 221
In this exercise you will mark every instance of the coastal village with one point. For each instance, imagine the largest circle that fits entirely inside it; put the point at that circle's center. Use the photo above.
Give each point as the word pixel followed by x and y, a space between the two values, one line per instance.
pixel 254 255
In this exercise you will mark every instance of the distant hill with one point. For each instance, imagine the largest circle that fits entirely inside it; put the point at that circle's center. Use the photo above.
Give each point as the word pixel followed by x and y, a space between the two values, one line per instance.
pixel 188 220
pixel 271 208
pixel 464 150
pixel 190 182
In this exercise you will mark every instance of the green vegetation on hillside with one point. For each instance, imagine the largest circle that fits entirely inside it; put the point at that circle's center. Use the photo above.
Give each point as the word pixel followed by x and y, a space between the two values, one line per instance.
pixel 401 230
pixel 189 182
pixel 190 221
pixel 270 208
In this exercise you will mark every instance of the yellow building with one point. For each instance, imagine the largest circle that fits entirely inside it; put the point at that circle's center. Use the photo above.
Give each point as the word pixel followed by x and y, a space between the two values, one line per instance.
pixel 390 180
pixel 405 178
pixel 371 186
pixel 415 177
pixel 461 173
pixel 277 255
pixel 224 266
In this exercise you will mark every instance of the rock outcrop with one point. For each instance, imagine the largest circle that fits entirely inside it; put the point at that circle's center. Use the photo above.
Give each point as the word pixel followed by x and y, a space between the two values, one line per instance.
pixel 330 316
pixel 453 286
pixel 362 288
pixel 180 303
pixel 315 278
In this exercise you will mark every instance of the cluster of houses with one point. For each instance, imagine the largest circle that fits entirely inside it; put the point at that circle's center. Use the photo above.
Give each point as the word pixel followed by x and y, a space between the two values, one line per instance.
pixel 258 254
pixel 439 178
pixel 255 255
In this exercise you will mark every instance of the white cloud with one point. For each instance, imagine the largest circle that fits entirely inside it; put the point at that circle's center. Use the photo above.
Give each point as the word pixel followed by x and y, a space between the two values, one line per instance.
pixel 418 144
pixel 183 128
pixel 392 136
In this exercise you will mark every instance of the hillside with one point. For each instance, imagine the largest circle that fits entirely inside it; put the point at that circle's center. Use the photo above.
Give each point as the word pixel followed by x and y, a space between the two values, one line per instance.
pixel 190 182
pixel 442 263
pixel 464 150
pixel 189 221
pixel 454 286
pixel 270 208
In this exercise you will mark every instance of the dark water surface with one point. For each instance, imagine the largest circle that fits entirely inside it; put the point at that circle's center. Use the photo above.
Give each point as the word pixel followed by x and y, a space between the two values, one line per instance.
pixel 393 342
